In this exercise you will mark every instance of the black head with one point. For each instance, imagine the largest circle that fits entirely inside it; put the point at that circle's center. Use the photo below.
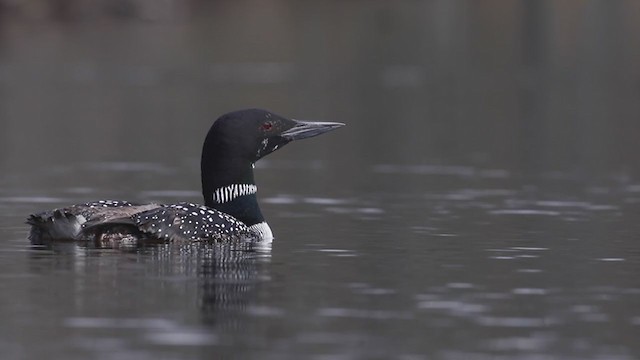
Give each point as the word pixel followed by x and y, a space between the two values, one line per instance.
pixel 238 139
pixel 249 135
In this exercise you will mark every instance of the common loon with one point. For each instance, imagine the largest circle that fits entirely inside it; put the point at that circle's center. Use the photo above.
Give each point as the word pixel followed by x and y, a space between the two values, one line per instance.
pixel 230 212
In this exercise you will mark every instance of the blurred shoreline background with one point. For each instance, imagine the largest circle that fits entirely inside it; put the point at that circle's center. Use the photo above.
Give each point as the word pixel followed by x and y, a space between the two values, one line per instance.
pixel 529 86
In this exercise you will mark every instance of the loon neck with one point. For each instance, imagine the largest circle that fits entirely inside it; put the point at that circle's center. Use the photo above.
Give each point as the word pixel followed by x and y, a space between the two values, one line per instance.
pixel 237 200
pixel 229 187
pixel 243 207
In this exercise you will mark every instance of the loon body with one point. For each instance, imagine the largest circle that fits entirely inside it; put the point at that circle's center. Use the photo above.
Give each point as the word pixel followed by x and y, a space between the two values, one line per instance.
pixel 230 212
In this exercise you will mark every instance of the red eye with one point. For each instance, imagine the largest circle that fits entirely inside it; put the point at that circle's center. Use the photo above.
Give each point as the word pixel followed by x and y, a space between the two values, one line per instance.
pixel 267 126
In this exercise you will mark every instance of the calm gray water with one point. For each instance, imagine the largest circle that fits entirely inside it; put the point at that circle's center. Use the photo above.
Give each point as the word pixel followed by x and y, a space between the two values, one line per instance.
pixel 482 202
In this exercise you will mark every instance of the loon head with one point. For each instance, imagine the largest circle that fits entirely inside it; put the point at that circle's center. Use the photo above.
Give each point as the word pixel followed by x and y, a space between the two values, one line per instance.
pixel 249 135
pixel 234 143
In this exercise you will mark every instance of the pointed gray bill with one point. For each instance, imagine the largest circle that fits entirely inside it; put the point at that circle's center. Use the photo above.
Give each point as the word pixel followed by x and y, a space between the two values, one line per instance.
pixel 307 129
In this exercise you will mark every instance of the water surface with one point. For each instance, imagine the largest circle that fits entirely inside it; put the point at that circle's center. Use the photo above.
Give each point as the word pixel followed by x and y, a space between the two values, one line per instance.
pixel 475 269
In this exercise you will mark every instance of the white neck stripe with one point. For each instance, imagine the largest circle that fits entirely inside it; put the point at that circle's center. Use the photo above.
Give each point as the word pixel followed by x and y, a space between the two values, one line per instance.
pixel 230 192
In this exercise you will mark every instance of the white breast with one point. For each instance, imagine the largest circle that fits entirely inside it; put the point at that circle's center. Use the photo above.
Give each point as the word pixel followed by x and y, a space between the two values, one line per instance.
pixel 262 231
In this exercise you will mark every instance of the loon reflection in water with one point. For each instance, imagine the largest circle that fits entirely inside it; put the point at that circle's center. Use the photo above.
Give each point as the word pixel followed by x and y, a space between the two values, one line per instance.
pixel 230 212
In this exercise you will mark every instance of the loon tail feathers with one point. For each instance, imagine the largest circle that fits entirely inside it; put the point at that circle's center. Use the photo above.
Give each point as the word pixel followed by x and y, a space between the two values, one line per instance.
pixel 54 225
pixel 61 225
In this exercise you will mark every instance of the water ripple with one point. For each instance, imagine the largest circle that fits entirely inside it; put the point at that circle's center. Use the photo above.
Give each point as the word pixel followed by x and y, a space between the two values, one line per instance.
pixel 128 323
pixel 364 314
pixel 431 169
pixel 518 322
pixel 524 212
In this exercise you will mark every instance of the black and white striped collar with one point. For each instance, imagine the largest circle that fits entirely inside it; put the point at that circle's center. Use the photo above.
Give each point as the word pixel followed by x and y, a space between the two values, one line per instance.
pixel 230 192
